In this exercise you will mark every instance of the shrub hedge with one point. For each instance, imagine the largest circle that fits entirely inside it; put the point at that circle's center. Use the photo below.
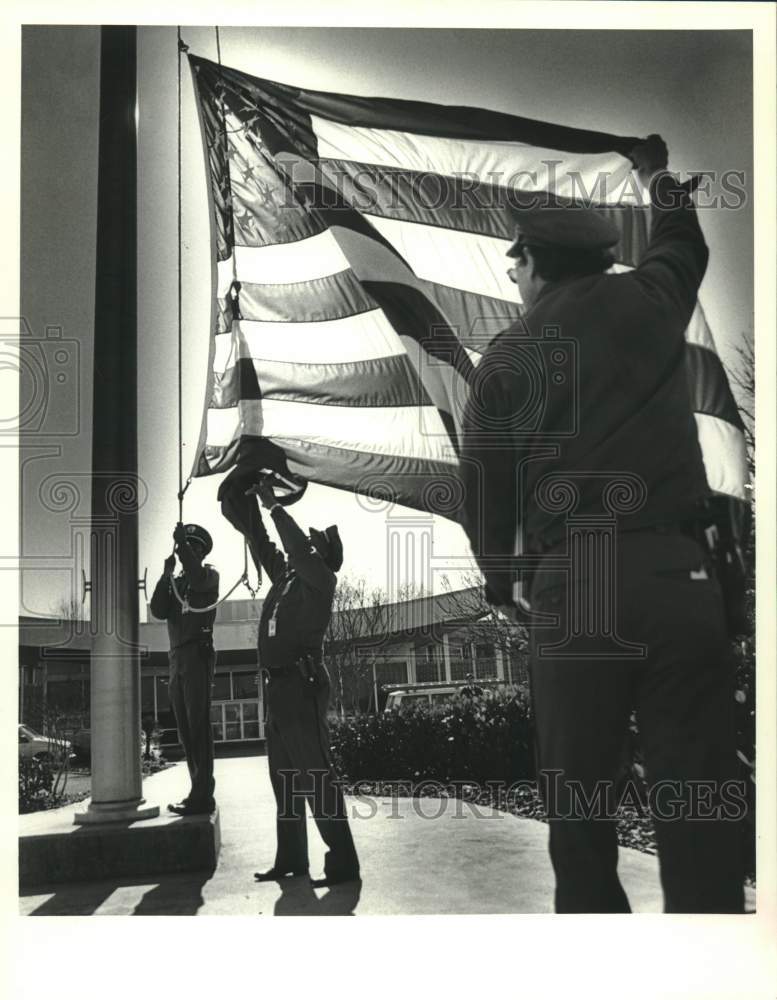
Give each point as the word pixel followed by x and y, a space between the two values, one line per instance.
pixel 482 740
pixel 36 778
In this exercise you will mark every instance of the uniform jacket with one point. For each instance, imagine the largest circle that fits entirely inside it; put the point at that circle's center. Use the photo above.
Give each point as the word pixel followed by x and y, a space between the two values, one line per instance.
pixel 300 599
pixel 199 585
pixel 623 406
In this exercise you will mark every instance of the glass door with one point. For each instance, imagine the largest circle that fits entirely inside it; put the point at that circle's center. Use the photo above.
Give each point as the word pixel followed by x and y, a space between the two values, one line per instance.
pixel 217 722
pixel 236 720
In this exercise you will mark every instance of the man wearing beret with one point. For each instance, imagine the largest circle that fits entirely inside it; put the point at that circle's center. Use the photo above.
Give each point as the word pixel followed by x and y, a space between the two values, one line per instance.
pixel 192 657
pixel 628 403
pixel 294 618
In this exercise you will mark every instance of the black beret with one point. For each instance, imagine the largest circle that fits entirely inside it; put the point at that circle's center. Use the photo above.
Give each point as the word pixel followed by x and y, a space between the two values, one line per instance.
pixel 572 226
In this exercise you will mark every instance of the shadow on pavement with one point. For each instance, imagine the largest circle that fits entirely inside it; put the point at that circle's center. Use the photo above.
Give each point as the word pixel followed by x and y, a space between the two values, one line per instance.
pixel 64 903
pixel 175 897
pixel 178 895
pixel 298 899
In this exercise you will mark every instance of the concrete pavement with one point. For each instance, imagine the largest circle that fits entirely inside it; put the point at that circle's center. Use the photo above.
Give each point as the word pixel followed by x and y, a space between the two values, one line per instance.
pixel 418 856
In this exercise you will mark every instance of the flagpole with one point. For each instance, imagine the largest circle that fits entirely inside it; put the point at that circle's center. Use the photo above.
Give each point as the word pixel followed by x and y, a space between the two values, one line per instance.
pixel 115 669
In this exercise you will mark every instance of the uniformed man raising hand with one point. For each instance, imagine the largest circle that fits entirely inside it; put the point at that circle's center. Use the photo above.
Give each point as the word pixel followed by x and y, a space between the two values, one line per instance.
pixel 192 657
pixel 622 412
pixel 294 618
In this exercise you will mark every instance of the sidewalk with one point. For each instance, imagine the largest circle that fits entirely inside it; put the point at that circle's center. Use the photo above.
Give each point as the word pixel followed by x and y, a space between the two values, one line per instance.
pixel 418 856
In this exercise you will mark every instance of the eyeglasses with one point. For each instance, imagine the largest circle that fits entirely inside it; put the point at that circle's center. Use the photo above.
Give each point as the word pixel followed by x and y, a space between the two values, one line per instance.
pixel 517 250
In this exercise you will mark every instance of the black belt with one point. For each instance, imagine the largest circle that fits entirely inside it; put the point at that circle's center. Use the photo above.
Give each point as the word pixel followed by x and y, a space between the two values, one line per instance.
pixel 305 664
pixel 691 529
pixel 196 640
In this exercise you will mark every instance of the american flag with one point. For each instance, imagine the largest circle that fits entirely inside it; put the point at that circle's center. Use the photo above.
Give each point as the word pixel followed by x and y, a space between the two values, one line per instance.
pixel 359 247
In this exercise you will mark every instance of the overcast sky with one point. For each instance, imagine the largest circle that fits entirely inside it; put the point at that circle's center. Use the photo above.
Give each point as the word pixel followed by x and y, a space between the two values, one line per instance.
pixel 694 88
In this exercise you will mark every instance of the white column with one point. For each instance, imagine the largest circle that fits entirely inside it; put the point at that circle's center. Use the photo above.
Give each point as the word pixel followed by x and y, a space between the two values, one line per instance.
pixel 115 690
pixel 115 485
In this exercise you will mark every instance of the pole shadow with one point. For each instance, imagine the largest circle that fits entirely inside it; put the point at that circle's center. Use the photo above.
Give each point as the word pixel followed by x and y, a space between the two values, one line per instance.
pixel 177 895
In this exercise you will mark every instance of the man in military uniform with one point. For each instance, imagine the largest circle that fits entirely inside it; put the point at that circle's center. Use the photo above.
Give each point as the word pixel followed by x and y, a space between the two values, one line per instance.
pixel 192 657
pixel 294 618
pixel 634 419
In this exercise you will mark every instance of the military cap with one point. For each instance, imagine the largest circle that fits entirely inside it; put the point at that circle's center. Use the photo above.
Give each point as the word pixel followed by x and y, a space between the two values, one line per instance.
pixel 328 545
pixel 196 533
pixel 573 227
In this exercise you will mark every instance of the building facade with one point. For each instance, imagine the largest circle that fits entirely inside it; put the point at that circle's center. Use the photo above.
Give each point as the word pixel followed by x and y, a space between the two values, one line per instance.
pixel 438 638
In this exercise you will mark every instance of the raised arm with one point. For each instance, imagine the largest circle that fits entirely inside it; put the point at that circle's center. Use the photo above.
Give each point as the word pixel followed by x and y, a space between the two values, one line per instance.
pixel 675 261
pixel 163 595
pixel 308 564
pixel 242 512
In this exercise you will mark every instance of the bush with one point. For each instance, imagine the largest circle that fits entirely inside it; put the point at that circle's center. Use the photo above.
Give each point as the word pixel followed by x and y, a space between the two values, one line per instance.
pixel 481 740
pixel 36 779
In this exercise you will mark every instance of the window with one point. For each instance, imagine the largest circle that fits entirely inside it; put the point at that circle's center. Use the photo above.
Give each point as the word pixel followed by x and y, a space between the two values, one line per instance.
pixel 428 665
pixel 485 660
pixel 221 689
pixel 147 695
pixel 486 669
pixel 232 720
pixel 70 695
pixel 236 720
pixel 459 669
pixel 251 721
pixel 244 684
pixel 162 695
pixel 518 665
pixel 217 722
pixel 391 672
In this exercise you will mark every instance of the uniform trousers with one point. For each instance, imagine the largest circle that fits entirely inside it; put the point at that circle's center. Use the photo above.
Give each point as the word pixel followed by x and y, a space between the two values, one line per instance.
pixel 301 771
pixel 663 597
pixel 191 683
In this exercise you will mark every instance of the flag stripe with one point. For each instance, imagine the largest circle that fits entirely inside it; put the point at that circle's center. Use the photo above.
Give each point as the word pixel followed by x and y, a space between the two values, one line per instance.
pixel 698 331
pixel 725 455
pixel 606 177
pixel 412 482
pixel 335 296
pixel 445 257
pixel 415 306
pixel 456 203
pixel 413 116
pixel 390 381
pixel 353 338
pixel 343 296
pixel 412 431
pixel 283 263
pixel 710 391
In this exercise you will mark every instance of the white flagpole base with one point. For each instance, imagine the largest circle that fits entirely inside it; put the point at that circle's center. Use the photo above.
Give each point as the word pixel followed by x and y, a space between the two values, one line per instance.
pixel 116 812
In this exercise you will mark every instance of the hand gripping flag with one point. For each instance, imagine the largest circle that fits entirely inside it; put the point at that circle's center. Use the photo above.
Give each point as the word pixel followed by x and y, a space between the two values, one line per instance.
pixel 360 257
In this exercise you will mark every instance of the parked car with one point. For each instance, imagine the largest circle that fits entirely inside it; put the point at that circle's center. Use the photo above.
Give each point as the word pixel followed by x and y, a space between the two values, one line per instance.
pixel 82 744
pixel 435 693
pixel 34 744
